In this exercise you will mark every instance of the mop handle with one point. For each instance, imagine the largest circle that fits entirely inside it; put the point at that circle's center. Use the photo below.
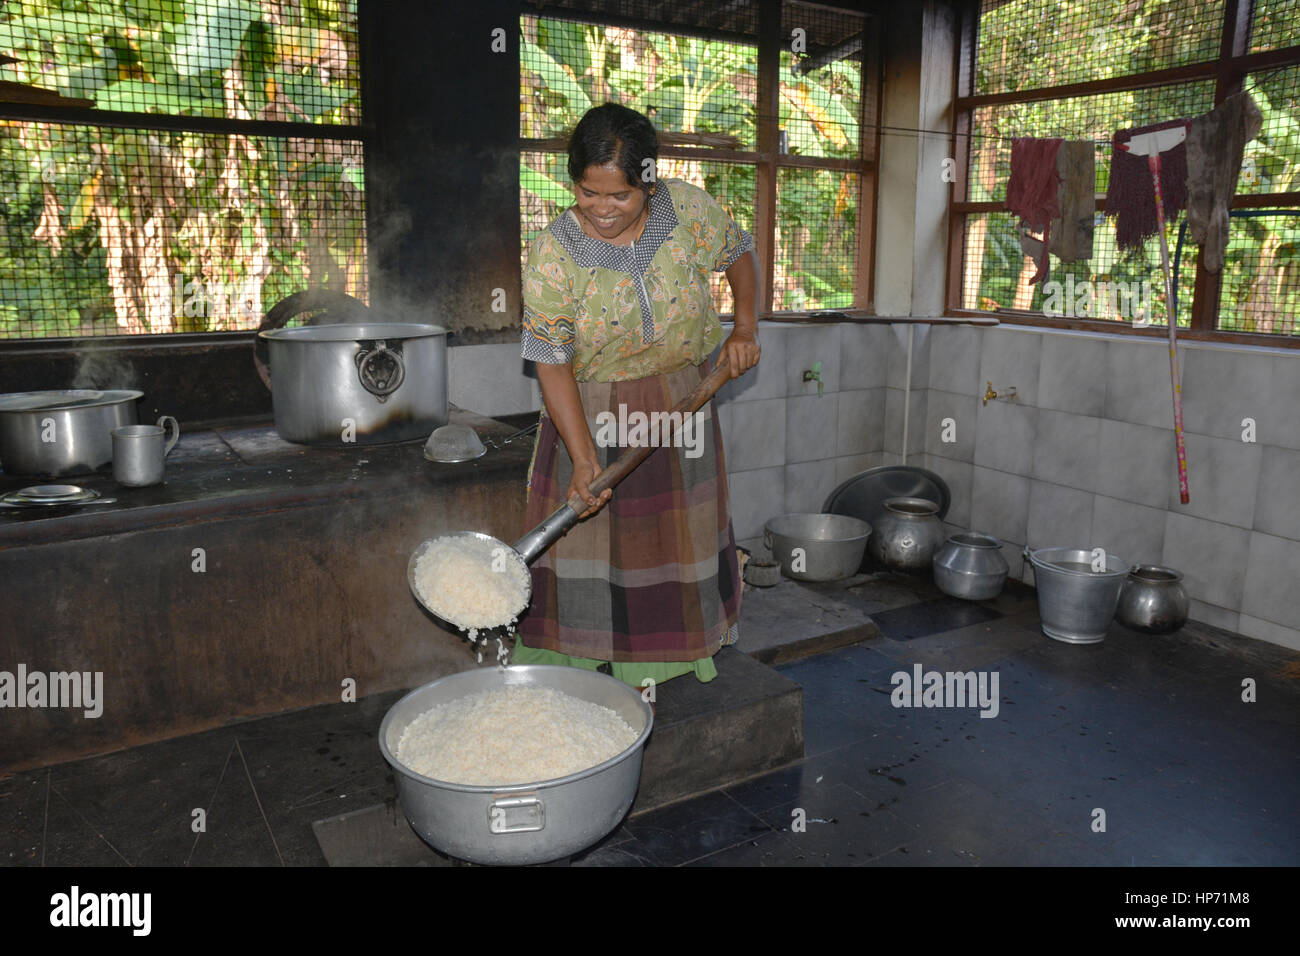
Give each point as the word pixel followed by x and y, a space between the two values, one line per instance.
pixel 1153 161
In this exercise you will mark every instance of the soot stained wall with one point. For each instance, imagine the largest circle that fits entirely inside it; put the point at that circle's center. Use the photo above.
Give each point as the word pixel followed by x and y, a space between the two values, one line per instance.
pixel 442 167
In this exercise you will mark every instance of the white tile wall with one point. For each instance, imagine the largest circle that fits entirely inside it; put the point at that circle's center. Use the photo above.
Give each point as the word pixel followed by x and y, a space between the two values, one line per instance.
pixel 1280 424
pixel 893 437
pixel 1222 479
pixel 1136 463
pixel 768 378
pixel 1059 517
pixel 962 410
pixel 1072 376
pixel 1009 358
pixel 1138 388
pixel 1134 532
pixel 955 359
pixel 864 356
pixel 1211 556
pixel 807 485
pixel 1004 437
pixel 896 370
pixel 1270 588
pixel 756 497
pixel 860 421
pixel 958 476
pixel 753 434
pixel 999 504
pixel 1067 449
pixel 1223 386
pixel 491 380
pixel 805 346
pixel 1276 509
pixel 811 427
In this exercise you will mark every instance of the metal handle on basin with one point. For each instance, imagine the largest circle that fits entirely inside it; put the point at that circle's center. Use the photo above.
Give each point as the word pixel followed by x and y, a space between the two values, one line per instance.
pixel 516 815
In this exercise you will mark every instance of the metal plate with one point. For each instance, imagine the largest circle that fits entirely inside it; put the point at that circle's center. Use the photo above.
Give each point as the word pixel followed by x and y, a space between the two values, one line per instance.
pixel 50 492
pixel 864 495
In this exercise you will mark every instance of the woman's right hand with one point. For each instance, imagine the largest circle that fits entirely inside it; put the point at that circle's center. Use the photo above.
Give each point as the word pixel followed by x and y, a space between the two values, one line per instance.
pixel 584 473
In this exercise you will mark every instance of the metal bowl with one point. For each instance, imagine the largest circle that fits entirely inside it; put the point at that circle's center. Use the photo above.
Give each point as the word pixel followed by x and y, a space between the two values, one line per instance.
pixel 525 823
pixel 832 545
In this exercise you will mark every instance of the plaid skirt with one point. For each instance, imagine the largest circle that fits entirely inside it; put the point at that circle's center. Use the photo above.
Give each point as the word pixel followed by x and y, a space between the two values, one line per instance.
pixel 653 576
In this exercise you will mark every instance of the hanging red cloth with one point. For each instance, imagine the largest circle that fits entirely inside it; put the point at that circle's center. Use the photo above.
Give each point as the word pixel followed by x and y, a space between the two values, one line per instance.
pixel 1032 190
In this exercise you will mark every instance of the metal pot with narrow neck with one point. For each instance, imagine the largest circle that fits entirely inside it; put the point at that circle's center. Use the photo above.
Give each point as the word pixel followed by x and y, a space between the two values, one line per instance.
pixel 366 383
pixel 905 534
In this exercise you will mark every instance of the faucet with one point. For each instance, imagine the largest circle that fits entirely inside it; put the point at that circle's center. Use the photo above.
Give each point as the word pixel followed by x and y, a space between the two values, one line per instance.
pixel 991 395
pixel 814 374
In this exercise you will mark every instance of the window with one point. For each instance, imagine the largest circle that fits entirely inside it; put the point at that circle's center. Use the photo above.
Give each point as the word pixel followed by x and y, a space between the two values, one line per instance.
pixel 1082 70
pixel 772 128
pixel 175 167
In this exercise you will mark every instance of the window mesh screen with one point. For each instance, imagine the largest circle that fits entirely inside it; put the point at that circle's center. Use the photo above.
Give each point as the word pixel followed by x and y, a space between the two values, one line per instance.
pixel 816 239
pixel 289 60
pixel 686 85
pixel 1027 44
pixel 1271 161
pixel 117 231
pixel 821 83
pixel 1260 289
pixel 1276 24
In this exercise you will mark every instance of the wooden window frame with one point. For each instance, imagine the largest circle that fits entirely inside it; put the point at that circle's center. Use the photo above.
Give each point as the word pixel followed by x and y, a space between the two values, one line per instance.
pixel 1228 72
pixel 766 156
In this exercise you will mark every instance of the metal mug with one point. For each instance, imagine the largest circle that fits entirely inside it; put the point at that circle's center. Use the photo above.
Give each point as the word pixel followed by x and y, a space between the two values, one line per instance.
pixel 139 450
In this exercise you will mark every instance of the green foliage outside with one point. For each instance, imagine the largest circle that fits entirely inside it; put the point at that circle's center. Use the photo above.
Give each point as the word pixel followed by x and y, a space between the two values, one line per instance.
pixel 99 223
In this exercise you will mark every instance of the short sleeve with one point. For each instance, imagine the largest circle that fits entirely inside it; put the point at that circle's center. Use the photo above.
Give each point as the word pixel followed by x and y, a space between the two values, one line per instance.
pixel 548 335
pixel 726 241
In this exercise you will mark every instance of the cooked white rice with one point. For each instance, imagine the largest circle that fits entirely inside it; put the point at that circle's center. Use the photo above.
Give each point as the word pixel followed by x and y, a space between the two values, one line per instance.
pixel 512 735
pixel 470 583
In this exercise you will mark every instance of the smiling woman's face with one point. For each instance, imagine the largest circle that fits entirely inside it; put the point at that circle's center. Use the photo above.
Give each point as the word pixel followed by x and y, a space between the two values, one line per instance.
pixel 608 202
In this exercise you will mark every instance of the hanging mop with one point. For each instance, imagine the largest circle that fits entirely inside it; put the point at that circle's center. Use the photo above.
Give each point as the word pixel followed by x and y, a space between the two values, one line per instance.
pixel 1151 144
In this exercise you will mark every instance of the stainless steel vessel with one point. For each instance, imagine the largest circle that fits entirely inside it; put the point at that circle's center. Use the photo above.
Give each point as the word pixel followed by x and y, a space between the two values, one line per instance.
pixel 906 534
pixel 817 547
pixel 1075 603
pixel 526 823
pixel 365 383
pixel 1153 600
pixel 970 565
pixel 63 432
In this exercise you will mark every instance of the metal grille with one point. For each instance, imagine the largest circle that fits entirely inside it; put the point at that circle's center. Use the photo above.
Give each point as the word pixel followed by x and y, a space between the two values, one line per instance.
pixel 996 274
pixel 821 81
pixel 1271 161
pixel 1027 44
pixel 1276 24
pixel 541 200
pixel 1260 290
pixel 1082 117
pixel 237 59
pixel 116 231
pixel 816 239
pixel 686 85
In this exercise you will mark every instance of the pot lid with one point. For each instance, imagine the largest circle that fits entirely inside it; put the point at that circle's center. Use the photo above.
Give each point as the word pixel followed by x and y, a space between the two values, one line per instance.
pixel 864 495
pixel 353 332
pixel 62 399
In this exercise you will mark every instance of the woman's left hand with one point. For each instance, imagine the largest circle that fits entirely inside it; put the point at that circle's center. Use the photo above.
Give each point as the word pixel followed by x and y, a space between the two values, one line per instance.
pixel 742 351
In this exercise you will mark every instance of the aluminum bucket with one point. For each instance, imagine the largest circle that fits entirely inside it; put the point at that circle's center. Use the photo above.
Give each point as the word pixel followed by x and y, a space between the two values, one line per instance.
pixel 524 823
pixel 1075 603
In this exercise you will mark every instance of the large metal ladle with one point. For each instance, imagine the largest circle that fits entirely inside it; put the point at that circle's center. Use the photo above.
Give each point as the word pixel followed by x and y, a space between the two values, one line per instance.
pixel 527 548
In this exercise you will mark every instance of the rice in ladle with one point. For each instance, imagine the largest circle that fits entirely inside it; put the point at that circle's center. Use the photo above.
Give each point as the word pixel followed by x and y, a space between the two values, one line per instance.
pixel 472 583
pixel 512 735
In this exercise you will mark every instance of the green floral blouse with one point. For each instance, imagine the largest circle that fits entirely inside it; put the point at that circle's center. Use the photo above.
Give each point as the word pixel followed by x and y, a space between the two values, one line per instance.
pixel 625 312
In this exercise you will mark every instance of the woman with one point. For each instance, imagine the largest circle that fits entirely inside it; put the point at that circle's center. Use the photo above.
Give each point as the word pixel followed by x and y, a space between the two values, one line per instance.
pixel 618 318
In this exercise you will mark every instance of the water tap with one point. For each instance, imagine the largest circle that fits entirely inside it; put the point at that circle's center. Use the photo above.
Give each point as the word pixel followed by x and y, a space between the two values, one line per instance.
pixel 814 374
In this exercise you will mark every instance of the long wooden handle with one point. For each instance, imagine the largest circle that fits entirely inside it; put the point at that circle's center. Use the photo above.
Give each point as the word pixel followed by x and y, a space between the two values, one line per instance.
pixel 627 461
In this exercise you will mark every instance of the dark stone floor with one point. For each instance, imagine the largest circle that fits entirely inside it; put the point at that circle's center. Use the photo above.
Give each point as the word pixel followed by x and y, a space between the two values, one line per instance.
pixel 1148 733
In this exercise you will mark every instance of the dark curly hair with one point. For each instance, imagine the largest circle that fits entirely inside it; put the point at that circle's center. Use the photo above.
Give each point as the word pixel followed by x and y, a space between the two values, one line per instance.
pixel 614 133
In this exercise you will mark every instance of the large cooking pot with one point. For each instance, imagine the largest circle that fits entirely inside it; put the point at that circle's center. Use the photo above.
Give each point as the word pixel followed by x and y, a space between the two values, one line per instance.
pixel 520 823
pixel 65 432
pixel 345 378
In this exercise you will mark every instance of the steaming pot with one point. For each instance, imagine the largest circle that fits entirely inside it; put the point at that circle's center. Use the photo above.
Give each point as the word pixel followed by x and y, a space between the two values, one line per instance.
pixel 64 432
pixel 365 383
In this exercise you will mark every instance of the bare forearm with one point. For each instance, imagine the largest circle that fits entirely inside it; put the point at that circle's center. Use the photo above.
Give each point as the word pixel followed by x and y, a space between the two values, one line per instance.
pixel 563 404
pixel 742 276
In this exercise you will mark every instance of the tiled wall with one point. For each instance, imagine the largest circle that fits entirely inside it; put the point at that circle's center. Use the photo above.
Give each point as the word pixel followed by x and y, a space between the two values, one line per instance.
pixel 491 380
pixel 1085 457
pixel 787 447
